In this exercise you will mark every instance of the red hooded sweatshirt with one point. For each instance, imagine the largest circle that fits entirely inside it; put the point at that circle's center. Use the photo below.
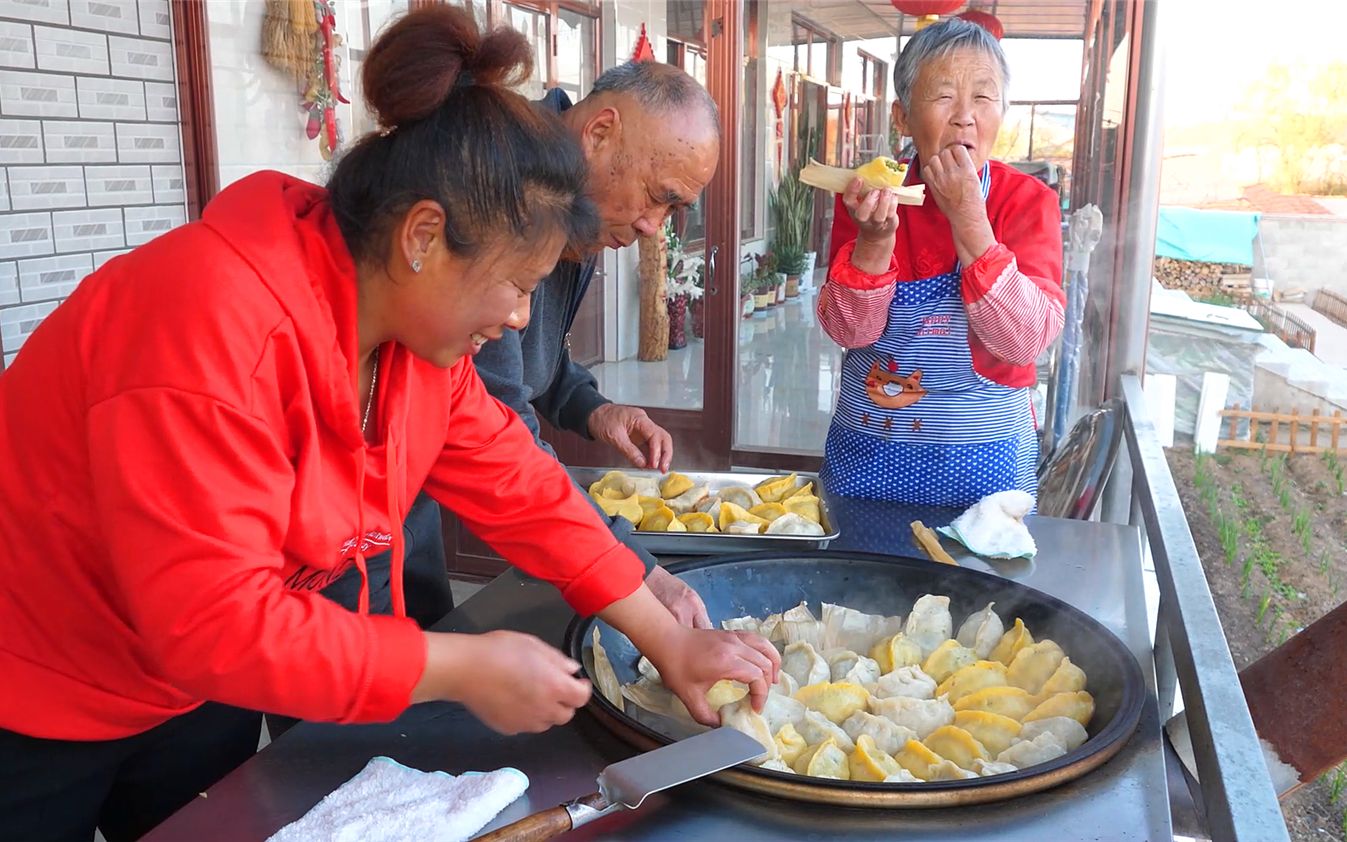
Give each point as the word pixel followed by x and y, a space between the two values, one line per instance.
pixel 184 470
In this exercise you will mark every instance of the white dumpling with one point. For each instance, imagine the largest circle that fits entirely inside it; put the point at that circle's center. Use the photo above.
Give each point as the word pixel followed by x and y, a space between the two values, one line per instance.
pixel 711 506
pixel 779 710
pixel 741 717
pixel 793 524
pixel 982 631
pixel 777 765
pixel 804 664
pixel 815 728
pixel 902 776
pixel 846 665
pixel 908 681
pixel 1028 753
pixel 744 527
pixel 739 495
pixel 948 770
pixel 889 737
pixel 847 628
pixel 646 486
pixel 929 624
pixel 921 715
pixel 785 685
pixel 987 768
pixel 799 626
pixel 748 624
pixel 1066 730
pixel 687 501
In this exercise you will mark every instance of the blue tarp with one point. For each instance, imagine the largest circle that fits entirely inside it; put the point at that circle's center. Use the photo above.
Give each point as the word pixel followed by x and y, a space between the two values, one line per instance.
pixel 1207 235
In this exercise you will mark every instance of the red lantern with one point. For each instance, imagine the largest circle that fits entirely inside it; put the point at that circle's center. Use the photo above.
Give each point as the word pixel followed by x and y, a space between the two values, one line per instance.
pixel 643 51
pixel 987 21
pixel 926 8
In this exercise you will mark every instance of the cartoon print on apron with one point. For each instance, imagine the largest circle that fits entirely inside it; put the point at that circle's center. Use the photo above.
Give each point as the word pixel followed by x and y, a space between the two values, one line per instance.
pixel 914 422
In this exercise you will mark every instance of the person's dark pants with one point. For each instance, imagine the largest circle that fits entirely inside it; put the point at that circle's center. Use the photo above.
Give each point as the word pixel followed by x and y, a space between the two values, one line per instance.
pixel 425 581
pixel 62 790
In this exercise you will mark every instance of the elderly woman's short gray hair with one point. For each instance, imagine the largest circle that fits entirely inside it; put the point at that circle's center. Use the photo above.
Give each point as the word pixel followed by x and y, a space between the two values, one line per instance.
pixel 939 40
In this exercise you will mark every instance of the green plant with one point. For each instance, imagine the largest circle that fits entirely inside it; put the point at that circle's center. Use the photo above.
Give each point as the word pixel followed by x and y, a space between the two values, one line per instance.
pixel 1301 527
pixel 1229 533
pixel 1262 607
pixel 1284 498
pixel 1339 781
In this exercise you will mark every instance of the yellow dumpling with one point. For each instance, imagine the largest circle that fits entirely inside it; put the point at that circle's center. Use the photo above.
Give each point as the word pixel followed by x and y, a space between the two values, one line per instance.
pixel 806 506
pixel 662 520
pixel 1007 701
pixel 613 485
pixel 835 700
pixel 629 507
pixel 1034 665
pixel 725 692
pixel 698 522
pixel 1078 706
pixel 732 513
pixel 882 172
pixel 896 651
pixel 806 490
pixel 649 505
pixel 972 678
pixel 1011 643
pixel 827 759
pixel 790 744
pixel 773 490
pixel 956 744
pixel 869 763
pixel 994 731
pixel 917 759
pixel 768 511
pixel 1068 678
pixel 948 658
pixel 674 484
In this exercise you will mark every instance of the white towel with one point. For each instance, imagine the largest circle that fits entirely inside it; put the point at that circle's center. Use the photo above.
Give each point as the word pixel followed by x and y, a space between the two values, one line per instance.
pixel 993 527
pixel 389 802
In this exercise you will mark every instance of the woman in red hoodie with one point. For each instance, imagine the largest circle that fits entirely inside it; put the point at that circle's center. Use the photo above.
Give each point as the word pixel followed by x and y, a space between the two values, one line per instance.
pixel 219 423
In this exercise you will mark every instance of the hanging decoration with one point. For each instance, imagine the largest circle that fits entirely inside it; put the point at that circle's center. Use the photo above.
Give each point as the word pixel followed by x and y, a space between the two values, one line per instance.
pixel 780 100
pixel 299 38
pixel 986 20
pixel 926 12
pixel 644 51
pixel 848 127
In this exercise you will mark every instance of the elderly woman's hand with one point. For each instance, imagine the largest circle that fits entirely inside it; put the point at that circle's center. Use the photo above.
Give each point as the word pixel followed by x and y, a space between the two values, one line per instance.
pixel 952 178
pixel 876 216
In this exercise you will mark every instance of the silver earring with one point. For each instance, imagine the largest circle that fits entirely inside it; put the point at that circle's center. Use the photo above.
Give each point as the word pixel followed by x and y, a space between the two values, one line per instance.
pixel 416 265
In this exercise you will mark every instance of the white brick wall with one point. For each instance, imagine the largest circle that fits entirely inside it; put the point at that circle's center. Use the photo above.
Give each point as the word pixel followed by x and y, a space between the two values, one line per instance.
pixel 90 147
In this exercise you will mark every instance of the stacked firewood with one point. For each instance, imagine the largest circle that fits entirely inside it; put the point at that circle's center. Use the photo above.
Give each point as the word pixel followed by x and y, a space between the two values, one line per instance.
pixel 1200 279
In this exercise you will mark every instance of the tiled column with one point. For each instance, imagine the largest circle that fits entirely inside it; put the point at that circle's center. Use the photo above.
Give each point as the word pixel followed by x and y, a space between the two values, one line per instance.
pixel 90 149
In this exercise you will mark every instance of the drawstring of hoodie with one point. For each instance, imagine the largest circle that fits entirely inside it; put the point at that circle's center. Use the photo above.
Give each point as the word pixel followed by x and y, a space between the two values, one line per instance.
pixel 363 606
pixel 396 472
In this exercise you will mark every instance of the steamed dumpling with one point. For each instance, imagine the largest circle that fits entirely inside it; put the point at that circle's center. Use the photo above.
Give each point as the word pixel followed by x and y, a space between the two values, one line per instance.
pixel 789 744
pixel 972 678
pixel 837 701
pixel 1078 706
pixel 902 777
pixel 1034 665
pixel 1066 679
pixel 847 628
pixel 614 485
pixel 744 498
pixel 825 760
pixel 778 766
pixel 776 489
pixel 645 486
pixel 846 665
pixel 675 484
pixel 815 728
pixel 907 681
pixel 948 657
pixel 806 506
pixel 981 631
pixel 888 735
pixel 741 717
pixel 1028 753
pixel 870 763
pixel 785 684
pixel 782 710
pixel 896 651
pixel 929 624
pixel 731 513
pixel 987 768
pixel 688 500
pixel 698 522
pixel 918 759
pixel 799 626
pixel 1007 701
pixel 956 744
pixel 710 506
pixel 793 524
pixel 1010 644
pixel 742 527
pixel 804 664
pixel 768 511
pixel 948 770
pixel 921 715
pixel 995 732
pixel 1066 730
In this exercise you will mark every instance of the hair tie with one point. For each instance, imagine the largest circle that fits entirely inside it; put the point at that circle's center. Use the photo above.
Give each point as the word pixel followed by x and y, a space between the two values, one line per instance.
pixel 386 131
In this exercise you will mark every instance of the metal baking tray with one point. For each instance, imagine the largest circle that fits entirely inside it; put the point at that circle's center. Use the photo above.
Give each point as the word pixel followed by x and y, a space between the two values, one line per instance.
pixel 716 543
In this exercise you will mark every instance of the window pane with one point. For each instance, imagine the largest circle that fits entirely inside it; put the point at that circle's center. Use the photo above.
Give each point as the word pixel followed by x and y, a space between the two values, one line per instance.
pixel 575 53
pixel 534 27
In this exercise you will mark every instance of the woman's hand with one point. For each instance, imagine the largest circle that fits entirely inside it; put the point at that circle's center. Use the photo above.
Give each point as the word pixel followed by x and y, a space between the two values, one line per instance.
pixel 691 660
pixel 512 682
pixel 956 186
pixel 876 217
pixel 682 601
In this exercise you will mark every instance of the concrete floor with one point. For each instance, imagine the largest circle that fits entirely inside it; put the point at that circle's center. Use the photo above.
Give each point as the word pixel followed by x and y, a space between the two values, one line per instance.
pixel 1330 338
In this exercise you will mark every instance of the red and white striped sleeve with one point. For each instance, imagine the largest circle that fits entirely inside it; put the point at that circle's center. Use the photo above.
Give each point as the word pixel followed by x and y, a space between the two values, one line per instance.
pixel 1013 292
pixel 853 306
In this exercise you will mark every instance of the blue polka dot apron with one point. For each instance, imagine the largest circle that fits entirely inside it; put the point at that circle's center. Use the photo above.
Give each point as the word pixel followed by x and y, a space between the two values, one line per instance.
pixel 914 423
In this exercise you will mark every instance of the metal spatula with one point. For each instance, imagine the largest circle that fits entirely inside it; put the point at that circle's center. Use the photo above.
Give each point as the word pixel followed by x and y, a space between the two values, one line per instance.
pixel 624 785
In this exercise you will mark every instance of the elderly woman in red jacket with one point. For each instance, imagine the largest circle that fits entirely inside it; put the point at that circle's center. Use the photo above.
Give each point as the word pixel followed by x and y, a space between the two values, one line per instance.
pixel 943 307
pixel 219 423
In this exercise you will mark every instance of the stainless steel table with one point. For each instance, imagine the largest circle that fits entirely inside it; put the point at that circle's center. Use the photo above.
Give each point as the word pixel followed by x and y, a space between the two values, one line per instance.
pixel 1096 567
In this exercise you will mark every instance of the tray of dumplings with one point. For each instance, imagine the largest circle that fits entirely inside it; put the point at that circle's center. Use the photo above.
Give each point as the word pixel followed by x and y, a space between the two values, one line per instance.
pixel 710 513
pixel 902 683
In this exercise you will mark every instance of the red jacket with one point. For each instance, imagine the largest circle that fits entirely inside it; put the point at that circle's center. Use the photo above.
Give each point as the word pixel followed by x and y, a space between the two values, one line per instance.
pixel 184 470
pixel 1012 294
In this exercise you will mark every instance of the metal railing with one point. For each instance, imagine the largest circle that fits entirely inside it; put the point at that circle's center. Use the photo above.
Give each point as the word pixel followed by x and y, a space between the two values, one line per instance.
pixel 1290 328
pixel 1331 304
pixel 1191 652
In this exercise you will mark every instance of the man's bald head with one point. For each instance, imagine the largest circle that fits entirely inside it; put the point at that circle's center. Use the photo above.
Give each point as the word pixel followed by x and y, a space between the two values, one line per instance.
pixel 660 88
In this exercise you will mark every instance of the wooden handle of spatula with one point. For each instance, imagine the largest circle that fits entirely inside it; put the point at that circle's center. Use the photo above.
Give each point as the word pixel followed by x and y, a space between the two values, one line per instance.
pixel 539 826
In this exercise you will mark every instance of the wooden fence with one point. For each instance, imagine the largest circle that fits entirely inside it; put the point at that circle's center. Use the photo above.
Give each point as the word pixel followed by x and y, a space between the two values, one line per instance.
pixel 1282 432
pixel 1287 326
pixel 1332 305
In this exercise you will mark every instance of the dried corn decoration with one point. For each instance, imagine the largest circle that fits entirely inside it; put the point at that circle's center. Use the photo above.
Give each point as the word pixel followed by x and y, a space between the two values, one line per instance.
pixel 299 38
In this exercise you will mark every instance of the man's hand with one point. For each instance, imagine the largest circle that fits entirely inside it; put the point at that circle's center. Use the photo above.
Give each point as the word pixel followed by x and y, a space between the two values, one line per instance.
pixel 681 600
pixel 630 430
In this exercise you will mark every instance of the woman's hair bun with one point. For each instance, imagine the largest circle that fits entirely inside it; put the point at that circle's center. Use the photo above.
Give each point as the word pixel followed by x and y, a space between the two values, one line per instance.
pixel 416 63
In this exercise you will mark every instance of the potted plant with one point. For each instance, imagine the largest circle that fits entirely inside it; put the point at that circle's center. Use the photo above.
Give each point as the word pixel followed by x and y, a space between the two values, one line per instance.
pixel 764 283
pixel 790 261
pixel 747 303
pixel 791 205
pixel 681 285
pixel 697 303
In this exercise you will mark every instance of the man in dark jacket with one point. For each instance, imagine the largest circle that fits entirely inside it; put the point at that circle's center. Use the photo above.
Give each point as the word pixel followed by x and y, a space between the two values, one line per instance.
pixel 652 138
